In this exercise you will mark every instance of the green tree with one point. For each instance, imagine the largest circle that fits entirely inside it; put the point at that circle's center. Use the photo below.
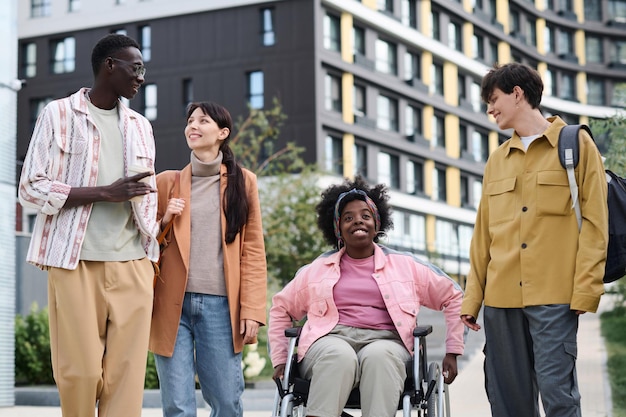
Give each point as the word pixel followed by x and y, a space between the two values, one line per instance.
pixel 288 191
pixel 32 348
pixel 610 135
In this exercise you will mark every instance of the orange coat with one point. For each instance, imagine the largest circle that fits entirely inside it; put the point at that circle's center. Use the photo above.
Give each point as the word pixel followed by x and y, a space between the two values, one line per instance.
pixel 245 268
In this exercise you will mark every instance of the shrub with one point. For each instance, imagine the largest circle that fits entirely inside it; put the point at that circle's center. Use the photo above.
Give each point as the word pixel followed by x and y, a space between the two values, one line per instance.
pixel 33 365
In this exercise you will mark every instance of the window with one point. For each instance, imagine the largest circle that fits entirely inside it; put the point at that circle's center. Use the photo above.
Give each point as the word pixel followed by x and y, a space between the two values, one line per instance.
pixel 187 92
pixel 465 193
pixel 463 140
pixel 409 13
pixel 461 87
pixel 439 184
pixel 593 49
pixel 477 192
pixel 549 86
pixel 414 177
pixel 480 146
pixel 120 31
pixel 618 52
pixel 617 10
pixel 593 10
pixel 548 39
pixel 478 47
pixel 63 56
pixel 387 113
pixel 359 100
pixel 40 8
pixel 74 5
pixel 530 35
pixel 360 160
pixel 145 40
pixel 150 101
pixel 388 170
pixel 595 91
pixel 29 60
pixel 436 87
pixel 332 33
pixel 334 155
pixel 568 87
pixel 412 122
pixel 619 97
pixel 446 238
pixel 268 37
pixel 386 57
pixel 358 41
pixel 332 92
pixel 493 51
pixel 439 132
pixel 255 89
pixel 36 105
pixel 565 44
pixel 435 26
pixel 409 231
pixel 385 6
pixel 411 66
pixel 455 40
pixel 477 103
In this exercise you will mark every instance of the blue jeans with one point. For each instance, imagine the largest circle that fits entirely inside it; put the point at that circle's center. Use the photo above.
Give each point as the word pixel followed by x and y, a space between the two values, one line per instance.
pixel 204 345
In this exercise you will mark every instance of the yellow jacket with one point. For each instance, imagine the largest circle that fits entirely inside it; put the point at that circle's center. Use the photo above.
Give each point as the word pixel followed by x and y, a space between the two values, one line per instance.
pixel 526 248
pixel 245 269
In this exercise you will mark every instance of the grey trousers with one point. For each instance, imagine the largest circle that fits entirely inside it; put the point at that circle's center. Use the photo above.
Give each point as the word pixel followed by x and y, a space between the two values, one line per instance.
pixel 531 351
pixel 348 357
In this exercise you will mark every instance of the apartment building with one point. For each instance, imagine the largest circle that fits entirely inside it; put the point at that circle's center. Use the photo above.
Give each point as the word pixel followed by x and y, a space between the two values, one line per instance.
pixel 389 89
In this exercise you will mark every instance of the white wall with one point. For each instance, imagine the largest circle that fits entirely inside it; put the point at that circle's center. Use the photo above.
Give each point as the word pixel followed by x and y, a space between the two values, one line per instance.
pixel 8 119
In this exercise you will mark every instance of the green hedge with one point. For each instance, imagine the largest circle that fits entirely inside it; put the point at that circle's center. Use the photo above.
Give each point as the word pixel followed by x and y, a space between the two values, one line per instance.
pixel 33 365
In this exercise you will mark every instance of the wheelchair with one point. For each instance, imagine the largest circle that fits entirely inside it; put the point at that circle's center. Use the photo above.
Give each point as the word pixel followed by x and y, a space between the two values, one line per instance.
pixel 425 394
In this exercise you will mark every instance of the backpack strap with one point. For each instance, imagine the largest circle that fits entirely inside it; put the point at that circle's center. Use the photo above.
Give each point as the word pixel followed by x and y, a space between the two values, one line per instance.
pixel 569 153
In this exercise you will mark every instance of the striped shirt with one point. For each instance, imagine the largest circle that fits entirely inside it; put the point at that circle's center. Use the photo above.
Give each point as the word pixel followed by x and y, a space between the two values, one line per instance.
pixel 63 153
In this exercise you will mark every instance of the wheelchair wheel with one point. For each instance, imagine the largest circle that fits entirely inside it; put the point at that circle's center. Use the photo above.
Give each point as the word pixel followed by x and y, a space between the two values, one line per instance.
pixel 438 404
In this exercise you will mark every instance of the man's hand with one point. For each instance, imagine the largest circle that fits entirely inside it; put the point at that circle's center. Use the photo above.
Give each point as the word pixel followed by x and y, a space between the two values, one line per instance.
pixel 121 190
pixel 470 321
pixel 128 187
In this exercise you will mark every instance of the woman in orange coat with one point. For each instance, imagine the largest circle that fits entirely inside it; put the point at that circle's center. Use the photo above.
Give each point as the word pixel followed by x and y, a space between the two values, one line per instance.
pixel 211 297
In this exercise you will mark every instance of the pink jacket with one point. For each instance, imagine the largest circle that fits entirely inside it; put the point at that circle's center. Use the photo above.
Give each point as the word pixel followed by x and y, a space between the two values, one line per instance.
pixel 405 282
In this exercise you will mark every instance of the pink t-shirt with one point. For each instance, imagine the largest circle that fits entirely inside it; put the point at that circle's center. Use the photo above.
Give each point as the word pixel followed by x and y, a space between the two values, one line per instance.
pixel 358 297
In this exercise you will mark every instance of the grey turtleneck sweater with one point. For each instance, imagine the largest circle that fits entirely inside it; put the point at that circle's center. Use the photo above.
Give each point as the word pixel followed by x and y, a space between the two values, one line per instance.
pixel 206 263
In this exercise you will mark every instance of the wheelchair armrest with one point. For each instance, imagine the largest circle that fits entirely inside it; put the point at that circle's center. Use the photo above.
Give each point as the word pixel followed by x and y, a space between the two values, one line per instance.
pixel 420 331
pixel 293 332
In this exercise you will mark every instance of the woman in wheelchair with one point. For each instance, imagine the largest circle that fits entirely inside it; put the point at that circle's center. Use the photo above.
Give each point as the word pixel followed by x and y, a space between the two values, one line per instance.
pixel 361 302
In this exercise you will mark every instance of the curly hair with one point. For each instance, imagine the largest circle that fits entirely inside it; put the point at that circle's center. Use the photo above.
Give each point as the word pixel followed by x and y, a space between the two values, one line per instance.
pixel 108 46
pixel 326 208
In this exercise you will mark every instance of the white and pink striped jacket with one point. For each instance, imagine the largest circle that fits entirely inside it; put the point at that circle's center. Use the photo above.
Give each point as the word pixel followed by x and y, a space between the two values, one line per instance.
pixel 63 153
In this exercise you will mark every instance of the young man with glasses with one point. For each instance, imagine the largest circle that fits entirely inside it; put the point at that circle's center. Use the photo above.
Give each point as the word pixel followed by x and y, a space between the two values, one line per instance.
pixel 95 233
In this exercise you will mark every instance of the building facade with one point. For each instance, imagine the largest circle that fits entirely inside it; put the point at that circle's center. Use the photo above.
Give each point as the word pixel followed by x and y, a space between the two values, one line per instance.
pixel 389 89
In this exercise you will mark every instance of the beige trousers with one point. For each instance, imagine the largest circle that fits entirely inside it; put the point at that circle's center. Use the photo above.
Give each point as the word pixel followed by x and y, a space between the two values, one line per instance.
pixel 99 329
pixel 348 357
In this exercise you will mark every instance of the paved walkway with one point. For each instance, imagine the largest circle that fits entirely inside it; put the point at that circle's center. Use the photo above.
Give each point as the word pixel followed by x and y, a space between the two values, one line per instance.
pixel 467 393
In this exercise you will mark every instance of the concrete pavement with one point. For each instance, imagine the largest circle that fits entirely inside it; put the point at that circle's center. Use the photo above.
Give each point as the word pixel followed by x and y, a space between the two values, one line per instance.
pixel 467 394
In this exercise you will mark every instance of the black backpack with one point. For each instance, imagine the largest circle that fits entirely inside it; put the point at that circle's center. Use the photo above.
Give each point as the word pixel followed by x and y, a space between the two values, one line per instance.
pixel 616 252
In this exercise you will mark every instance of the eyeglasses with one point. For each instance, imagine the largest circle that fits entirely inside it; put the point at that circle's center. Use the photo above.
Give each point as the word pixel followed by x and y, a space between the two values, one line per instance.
pixel 138 69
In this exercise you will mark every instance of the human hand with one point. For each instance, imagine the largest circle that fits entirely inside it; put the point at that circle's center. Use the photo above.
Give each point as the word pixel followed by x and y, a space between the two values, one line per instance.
pixel 126 188
pixel 580 312
pixel 279 371
pixel 175 206
pixel 449 367
pixel 249 329
pixel 470 321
